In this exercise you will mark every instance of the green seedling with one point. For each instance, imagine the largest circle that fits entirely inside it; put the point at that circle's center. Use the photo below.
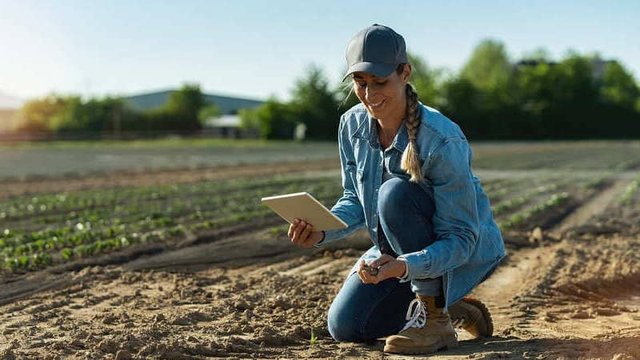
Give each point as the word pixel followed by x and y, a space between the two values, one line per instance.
pixel 314 338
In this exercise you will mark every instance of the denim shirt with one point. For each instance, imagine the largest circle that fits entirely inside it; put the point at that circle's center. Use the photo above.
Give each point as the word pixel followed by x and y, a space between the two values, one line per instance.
pixel 468 242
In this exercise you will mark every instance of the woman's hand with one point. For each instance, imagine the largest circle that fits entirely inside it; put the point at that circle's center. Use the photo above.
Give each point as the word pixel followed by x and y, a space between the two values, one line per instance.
pixel 301 233
pixel 388 267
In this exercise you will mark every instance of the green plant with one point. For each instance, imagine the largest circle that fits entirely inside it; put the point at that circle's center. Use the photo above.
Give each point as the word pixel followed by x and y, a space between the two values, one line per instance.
pixel 314 338
pixel 629 192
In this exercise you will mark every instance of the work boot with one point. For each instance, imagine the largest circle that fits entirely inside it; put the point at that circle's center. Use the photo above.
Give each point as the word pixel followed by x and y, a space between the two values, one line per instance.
pixel 428 329
pixel 473 316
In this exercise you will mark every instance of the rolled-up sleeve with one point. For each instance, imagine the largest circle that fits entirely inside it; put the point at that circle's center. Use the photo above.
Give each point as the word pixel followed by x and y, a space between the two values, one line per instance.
pixel 455 221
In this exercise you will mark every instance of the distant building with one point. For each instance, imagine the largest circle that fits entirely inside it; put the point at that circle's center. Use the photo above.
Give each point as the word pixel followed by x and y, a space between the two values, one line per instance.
pixel 227 104
pixel 227 125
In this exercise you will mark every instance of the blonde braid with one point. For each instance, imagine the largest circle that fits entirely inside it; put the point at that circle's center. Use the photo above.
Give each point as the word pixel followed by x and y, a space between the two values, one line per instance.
pixel 410 158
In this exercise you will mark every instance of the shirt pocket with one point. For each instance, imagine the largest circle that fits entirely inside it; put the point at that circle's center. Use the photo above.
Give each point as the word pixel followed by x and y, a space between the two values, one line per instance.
pixel 361 178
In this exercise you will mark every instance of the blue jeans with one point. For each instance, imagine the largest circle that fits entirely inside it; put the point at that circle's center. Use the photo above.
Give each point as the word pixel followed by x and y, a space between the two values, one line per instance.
pixel 362 312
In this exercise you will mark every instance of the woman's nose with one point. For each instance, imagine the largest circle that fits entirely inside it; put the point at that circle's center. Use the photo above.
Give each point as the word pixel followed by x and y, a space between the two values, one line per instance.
pixel 371 94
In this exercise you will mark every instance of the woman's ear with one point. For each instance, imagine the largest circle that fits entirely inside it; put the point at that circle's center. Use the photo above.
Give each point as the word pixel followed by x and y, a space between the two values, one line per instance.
pixel 406 73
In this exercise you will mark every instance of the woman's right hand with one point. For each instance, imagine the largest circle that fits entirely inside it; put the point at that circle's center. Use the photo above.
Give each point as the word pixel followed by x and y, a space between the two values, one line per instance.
pixel 301 233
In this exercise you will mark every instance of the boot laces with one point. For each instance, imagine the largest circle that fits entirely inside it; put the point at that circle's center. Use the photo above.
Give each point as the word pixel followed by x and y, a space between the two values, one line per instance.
pixel 460 322
pixel 416 315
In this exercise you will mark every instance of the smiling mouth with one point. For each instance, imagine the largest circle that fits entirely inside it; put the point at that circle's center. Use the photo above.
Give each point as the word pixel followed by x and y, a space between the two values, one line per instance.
pixel 377 105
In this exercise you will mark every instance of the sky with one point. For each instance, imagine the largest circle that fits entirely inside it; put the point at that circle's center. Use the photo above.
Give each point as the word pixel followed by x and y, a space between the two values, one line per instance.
pixel 258 48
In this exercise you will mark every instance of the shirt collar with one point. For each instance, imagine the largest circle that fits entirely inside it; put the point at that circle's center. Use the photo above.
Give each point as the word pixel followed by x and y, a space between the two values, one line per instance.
pixel 402 138
pixel 367 130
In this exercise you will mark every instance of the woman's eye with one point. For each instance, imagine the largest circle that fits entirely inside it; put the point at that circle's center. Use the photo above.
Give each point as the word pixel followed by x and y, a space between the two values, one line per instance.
pixel 381 82
pixel 362 84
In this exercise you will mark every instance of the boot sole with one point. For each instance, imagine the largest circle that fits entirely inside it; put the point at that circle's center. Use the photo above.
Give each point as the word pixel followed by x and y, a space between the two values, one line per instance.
pixel 485 314
pixel 420 350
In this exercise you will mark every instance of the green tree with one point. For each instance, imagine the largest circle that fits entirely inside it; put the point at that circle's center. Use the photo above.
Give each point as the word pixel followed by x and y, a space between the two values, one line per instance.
pixel 274 120
pixel 184 106
pixel 94 115
pixel 314 104
pixel 207 112
pixel 618 86
pixel 575 97
pixel 487 81
pixel 462 103
pixel 488 68
pixel 575 83
pixel 35 115
pixel 538 55
pixel 427 81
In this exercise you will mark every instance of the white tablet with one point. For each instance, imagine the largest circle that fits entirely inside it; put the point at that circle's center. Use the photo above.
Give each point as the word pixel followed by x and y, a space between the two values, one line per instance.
pixel 305 207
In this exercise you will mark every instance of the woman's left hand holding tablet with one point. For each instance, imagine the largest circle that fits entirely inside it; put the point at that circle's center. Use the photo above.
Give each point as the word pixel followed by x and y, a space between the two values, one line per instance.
pixel 302 234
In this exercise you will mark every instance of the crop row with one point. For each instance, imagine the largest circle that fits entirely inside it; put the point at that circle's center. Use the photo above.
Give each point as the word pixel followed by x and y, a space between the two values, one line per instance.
pixel 517 191
pixel 90 199
pixel 145 219
pixel 515 202
pixel 87 223
pixel 26 251
pixel 630 191
pixel 521 217
pixel 178 206
pixel 543 200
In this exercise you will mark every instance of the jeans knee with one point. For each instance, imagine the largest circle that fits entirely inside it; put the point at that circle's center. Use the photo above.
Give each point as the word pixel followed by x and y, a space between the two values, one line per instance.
pixel 393 197
pixel 341 325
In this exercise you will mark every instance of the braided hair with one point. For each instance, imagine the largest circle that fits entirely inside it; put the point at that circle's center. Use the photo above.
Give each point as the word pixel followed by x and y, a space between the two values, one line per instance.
pixel 410 158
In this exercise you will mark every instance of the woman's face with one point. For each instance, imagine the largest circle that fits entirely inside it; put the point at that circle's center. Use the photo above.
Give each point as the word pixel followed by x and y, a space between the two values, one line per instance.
pixel 384 98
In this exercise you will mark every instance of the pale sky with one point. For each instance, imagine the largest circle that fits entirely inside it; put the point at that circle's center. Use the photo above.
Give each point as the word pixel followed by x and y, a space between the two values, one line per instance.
pixel 258 48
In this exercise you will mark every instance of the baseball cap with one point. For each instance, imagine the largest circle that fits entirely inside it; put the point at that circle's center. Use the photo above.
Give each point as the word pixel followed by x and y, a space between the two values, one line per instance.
pixel 376 50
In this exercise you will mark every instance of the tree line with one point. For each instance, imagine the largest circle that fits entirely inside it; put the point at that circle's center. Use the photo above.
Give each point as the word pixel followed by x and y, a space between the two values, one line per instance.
pixel 491 97
pixel 184 112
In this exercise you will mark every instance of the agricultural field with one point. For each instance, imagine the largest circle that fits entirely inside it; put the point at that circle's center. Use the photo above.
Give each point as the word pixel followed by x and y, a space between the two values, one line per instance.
pixel 152 255
pixel 26 161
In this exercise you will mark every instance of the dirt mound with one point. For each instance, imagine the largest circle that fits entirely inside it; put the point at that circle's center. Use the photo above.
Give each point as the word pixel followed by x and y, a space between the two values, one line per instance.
pixel 595 278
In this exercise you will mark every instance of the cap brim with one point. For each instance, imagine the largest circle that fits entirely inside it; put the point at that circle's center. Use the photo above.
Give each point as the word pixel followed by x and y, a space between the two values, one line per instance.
pixel 376 69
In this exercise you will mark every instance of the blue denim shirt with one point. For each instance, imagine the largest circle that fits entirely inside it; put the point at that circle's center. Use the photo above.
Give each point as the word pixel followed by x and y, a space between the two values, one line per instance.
pixel 469 244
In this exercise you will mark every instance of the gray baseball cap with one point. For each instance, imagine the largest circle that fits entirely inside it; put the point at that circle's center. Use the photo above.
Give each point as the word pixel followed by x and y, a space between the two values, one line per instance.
pixel 376 50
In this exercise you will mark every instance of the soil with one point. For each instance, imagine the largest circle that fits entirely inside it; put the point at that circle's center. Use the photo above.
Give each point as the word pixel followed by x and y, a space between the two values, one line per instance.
pixel 571 290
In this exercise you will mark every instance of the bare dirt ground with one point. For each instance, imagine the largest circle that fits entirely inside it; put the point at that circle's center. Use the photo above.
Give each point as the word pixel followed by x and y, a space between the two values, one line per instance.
pixel 570 291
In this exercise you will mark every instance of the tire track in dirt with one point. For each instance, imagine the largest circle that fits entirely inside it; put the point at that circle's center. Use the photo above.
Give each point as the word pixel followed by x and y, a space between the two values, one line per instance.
pixel 519 271
pixel 513 278
pixel 536 293
pixel 591 208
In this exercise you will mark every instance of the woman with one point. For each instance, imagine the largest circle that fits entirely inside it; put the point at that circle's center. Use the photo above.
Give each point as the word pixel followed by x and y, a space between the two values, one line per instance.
pixel 406 176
